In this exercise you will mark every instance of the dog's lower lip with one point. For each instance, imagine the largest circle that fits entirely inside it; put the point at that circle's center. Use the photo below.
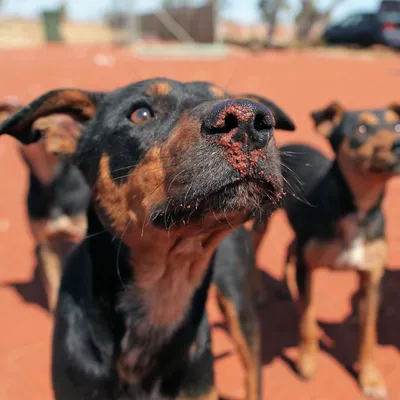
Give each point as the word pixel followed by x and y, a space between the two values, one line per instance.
pixel 240 182
pixel 239 198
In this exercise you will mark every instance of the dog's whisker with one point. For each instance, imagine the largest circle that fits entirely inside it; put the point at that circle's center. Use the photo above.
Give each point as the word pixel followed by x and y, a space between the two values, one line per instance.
pixel 154 169
pixel 174 178
pixel 166 213
pixel 95 234
pixel 118 253
pixel 232 75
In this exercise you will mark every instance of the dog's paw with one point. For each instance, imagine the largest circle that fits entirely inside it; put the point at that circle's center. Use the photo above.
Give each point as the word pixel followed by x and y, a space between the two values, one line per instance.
pixel 307 365
pixel 372 383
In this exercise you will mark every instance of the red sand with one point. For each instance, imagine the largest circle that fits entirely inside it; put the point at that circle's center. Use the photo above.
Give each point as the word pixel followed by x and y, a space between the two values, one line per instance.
pixel 299 82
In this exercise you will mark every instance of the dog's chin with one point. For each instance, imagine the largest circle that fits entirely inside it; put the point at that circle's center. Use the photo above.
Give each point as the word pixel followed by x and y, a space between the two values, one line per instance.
pixel 231 204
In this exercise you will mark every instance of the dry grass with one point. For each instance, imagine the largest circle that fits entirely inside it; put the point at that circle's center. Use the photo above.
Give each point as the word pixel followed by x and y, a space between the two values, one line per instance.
pixel 21 33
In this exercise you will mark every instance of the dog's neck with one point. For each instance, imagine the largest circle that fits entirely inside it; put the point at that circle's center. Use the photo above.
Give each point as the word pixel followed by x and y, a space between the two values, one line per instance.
pixel 366 190
pixel 167 268
pixel 156 276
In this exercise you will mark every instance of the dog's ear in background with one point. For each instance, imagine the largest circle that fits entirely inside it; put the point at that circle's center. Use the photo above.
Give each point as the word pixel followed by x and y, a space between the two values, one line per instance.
pixel 395 107
pixel 58 116
pixel 327 118
pixel 282 120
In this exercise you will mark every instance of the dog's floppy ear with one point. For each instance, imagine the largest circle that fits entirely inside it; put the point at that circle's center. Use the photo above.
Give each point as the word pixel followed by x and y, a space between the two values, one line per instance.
pixel 8 106
pixel 395 107
pixel 327 118
pixel 282 120
pixel 56 116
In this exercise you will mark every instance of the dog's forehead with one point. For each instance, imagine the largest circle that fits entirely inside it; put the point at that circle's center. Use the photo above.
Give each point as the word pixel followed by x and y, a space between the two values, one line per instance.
pixel 376 117
pixel 154 89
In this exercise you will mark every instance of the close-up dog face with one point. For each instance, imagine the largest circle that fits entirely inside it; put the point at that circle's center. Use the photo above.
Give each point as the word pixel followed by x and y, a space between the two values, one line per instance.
pixel 369 140
pixel 164 153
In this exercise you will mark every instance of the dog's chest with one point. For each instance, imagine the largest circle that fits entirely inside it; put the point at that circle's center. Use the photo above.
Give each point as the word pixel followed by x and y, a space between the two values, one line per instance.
pixel 352 255
pixel 350 248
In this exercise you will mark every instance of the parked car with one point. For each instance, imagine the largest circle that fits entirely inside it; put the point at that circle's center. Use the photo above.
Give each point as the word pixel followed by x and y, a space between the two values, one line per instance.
pixel 366 29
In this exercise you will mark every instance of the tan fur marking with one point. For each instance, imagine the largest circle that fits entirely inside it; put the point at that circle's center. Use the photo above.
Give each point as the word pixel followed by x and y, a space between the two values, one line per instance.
pixel 111 197
pixel 50 264
pixel 167 280
pixel 211 395
pixel 217 92
pixel 391 117
pixel 308 330
pixel 159 89
pixel 246 96
pixel 49 236
pixel 183 137
pixel 8 107
pixel 131 201
pixel 250 356
pixel 61 133
pixel 290 270
pixel 370 378
pixel 368 118
pixel 50 231
pixel 74 99
pixel 4 115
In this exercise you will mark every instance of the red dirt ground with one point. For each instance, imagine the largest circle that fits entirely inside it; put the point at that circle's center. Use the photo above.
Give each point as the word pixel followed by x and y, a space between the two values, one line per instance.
pixel 298 82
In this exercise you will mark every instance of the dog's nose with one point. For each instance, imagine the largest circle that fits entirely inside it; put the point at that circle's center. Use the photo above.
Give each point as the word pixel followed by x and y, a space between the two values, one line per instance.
pixel 243 121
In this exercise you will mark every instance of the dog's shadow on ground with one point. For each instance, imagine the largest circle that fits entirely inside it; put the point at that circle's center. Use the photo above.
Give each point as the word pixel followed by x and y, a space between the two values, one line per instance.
pixel 344 335
pixel 278 320
pixel 279 324
pixel 32 291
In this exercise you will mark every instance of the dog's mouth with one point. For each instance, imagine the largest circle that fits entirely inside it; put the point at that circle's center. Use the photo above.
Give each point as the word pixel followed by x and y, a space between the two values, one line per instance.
pixel 391 167
pixel 238 200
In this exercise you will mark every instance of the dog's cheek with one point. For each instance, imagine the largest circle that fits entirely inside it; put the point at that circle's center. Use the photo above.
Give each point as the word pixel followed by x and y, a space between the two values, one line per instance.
pixel 111 198
pixel 133 200
pixel 147 184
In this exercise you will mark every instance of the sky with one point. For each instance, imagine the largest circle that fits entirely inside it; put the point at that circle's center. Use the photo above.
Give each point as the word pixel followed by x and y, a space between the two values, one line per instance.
pixel 243 11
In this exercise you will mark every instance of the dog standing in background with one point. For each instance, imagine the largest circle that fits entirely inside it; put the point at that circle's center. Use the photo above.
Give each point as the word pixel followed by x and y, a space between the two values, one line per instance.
pixel 339 222
pixel 57 197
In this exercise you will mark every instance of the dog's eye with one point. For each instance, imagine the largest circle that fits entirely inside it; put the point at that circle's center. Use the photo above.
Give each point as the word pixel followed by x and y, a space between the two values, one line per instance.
pixel 362 129
pixel 141 115
pixel 397 128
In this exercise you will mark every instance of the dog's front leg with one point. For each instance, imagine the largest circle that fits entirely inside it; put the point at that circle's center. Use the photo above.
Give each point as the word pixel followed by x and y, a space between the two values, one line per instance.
pixel 370 378
pixel 308 329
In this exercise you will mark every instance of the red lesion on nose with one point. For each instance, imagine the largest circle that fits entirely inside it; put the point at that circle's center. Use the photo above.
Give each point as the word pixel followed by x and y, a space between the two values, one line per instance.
pixel 236 152
pixel 241 112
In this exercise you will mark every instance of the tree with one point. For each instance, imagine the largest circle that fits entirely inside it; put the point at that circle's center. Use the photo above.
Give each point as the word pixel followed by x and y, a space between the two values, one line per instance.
pixel 269 10
pixel 309 16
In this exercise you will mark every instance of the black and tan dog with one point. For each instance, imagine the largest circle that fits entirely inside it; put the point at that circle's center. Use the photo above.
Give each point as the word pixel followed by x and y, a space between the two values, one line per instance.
pixel 340 223
pixel 173 168
pixel 57 198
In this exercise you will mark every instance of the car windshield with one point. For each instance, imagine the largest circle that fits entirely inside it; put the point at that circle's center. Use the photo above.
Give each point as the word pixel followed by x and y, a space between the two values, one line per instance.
pixel 350 21
pixel 390 16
